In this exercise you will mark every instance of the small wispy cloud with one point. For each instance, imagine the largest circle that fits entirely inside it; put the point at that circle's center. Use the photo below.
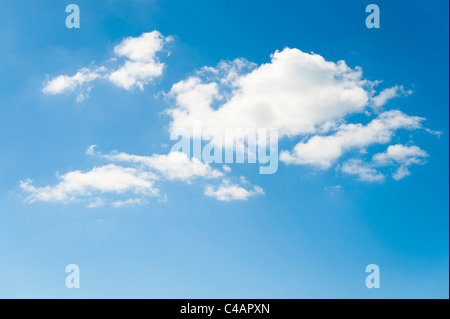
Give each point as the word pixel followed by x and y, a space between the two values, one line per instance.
pixel 362 170
pixel 228 191
pixel 387 94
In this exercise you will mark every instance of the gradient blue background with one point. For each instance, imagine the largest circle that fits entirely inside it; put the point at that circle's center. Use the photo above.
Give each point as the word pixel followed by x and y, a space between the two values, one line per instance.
pixel 297 241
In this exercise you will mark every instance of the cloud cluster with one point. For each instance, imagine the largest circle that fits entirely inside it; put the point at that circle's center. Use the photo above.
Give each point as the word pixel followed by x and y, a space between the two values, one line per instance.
pixel 135 181
pixel 402 156
pixel 324 150
pixel 306 98
pixel 141 65
pixel 399 156
pixel 326 110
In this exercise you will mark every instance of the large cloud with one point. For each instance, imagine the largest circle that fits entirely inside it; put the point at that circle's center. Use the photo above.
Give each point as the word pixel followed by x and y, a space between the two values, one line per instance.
pixel 296 92
pixel 304 96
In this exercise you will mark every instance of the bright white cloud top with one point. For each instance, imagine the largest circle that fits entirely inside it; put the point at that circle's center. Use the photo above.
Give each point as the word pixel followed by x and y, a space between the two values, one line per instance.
pixel 142 64
pixel 297 92
pixel 140 67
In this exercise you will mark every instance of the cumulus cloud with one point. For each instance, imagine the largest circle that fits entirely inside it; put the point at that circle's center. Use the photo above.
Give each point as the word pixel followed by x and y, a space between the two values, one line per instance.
pixel 296 92
pixel 136 179
pixel 301 94
pixel 403 156
pixel 142 64
pixel 229 192
pixel 140 67
pixel 77 185
pixel 398 155
pixel 173 166
pixel 307 98
pixel 323 151
pixel 68 84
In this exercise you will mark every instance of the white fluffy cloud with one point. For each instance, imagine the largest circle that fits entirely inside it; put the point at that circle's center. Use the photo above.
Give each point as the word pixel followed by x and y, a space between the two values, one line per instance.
pixel 323 151
pixel 78 185
pixel 142 64
pixel 305 97
pixel 173 166
pixel 140 67
pixel 136 181
pixel 398 155
pixel 68 84
pixel 403 156
pixel 229 192
pixel 296 92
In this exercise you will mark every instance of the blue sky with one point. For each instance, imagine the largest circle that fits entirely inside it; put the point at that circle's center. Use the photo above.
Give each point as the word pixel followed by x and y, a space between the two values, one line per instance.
pixel 312 231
